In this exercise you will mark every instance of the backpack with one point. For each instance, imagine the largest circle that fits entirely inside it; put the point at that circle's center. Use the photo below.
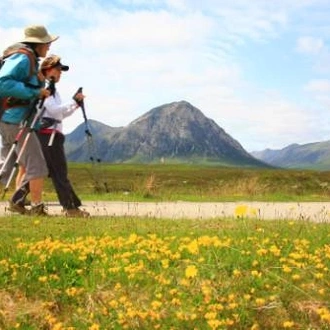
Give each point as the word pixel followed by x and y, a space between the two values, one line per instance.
pixel 9 102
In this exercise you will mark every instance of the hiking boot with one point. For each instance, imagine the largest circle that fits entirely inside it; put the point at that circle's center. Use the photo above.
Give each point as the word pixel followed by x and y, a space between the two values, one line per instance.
pixel 17 208
pixel 76 213
pixel 38 210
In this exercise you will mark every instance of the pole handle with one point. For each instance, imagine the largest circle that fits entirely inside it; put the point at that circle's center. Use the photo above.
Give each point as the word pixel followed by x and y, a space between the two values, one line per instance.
pixel 51 88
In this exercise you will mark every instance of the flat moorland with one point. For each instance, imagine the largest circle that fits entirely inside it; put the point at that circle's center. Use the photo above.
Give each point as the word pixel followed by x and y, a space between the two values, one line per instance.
pixel 164 182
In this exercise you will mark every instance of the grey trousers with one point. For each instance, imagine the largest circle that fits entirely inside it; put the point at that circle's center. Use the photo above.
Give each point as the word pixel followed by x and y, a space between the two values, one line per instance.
pixel 32 157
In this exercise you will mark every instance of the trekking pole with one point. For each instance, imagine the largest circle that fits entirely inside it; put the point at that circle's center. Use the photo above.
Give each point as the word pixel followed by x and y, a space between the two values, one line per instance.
pixel 90 141
pixel 89 135
pixel 19 156
pixel 38 115
pixel 13 147
pixel 52 136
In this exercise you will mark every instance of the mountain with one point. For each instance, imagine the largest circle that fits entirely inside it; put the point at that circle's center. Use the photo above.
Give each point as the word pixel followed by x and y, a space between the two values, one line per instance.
pixel 174 132
pixel 84 142
pixel 307 156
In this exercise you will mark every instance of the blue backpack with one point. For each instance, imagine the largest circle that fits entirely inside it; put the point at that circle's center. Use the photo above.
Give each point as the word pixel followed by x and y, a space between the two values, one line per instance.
pixel 9 102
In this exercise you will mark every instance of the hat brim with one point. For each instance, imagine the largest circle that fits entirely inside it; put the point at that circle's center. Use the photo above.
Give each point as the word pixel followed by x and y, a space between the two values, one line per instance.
pixel 45 40
pixel 64 67
pixel 57 65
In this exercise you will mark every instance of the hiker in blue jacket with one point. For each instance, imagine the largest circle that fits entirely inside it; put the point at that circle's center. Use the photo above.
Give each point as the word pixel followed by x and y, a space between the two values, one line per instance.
pixel 21 85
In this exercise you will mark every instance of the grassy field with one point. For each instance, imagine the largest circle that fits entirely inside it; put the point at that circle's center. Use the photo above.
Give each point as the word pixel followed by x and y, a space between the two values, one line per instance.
pixel 195 183
pixel 125 273
pixel 129 273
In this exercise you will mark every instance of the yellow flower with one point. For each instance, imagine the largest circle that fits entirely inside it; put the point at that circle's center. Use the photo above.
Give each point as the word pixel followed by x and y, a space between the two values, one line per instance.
pixel 176 302
pixel 256 273
pixel 296 277
pixel 165 263
pixel 324 314
pixel 286 269
pixel 241 211
pixel 210 316
pixel 51 320
pixel 42 279
pixel 191 271
pixel 58 326
pixel 255 263
pixel 117 286
pixel 260 301
pixel 288 324
pixel 180 315
pixel 82 257
pixel 326 317
pixel 156 304
pixel 193 247
pixel 113 303
pixel 230 322
pixel 73 291
pixel 275 250
pixel 253 211
pixel 237 273
pixel 262 252
pixel 214 324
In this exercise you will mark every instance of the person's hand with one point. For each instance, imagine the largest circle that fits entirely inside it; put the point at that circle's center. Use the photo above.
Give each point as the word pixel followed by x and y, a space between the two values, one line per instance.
pixel 44 93
pixel 79 97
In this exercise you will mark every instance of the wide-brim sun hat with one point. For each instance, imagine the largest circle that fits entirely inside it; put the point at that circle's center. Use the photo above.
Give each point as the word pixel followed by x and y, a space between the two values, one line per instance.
pixel 38 34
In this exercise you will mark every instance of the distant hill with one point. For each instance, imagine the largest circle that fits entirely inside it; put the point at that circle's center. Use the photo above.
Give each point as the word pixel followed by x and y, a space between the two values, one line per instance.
pixel 174 132
pixel 77 146
pixel 307 156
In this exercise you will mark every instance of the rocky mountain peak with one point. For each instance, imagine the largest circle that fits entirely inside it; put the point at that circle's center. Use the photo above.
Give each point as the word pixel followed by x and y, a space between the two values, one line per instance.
pixel 176 131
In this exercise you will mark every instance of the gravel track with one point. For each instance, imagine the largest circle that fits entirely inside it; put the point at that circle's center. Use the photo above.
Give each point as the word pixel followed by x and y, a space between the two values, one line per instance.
pixel 311 211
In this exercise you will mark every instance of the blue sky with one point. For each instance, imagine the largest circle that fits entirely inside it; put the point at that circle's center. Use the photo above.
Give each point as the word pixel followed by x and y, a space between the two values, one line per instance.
pixel 260 69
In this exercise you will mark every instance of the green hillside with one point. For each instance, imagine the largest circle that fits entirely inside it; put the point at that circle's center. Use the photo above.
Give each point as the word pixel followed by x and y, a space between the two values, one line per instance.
pixel 171 182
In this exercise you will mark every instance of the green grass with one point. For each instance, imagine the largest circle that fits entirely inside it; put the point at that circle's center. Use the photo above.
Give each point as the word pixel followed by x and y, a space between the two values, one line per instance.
pixel 194 183
pixel 126 273
pixel 132 273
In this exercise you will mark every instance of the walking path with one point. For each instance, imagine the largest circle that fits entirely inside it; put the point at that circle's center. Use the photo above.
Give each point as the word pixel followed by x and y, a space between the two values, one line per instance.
pixel 312 211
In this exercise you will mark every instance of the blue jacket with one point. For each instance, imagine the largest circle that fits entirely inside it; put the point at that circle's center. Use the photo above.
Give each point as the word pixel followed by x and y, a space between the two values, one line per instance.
pixel 15 82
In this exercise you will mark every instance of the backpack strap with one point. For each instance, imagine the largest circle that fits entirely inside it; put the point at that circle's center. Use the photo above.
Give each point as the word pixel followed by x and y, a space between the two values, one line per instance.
pixel 9 102
pixel 22 49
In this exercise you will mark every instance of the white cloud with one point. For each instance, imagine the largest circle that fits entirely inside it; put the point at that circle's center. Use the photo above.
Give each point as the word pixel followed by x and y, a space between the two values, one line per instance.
pixel 319 86
pixel 145 30
pixel 131 59
pixel 310 45
pixel 270 120
pixel 156 57
pixel 9 36
pixel 320 92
